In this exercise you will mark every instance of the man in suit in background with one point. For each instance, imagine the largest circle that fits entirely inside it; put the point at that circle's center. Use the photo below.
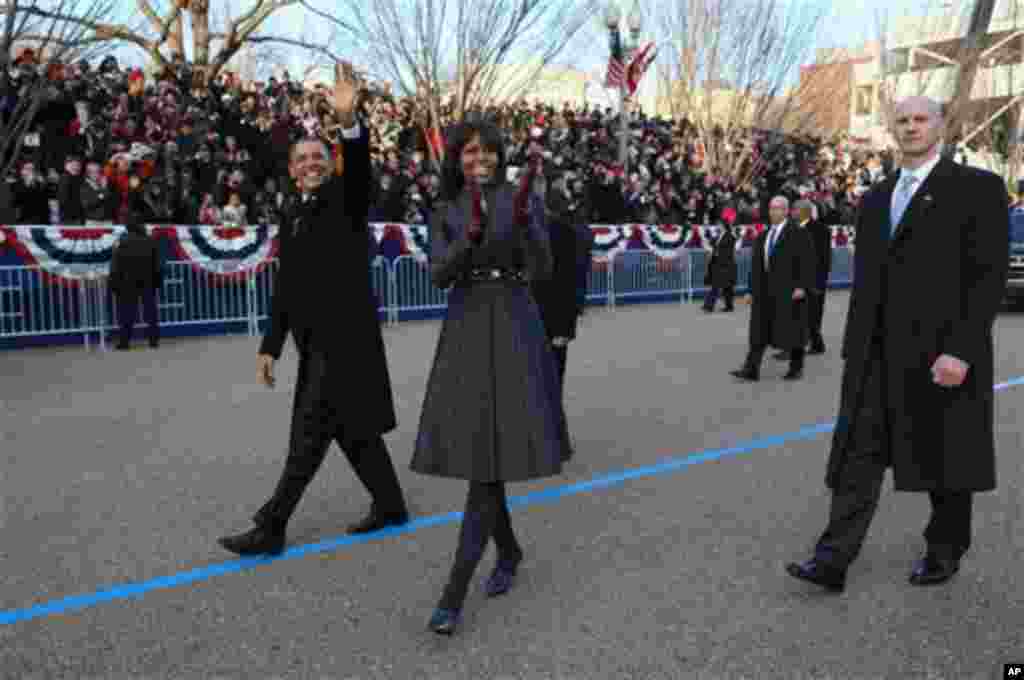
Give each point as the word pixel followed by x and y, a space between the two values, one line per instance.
pixel 933 243
pixel 781 274
pixel 821 236
pixel 343 392
pixel 136 274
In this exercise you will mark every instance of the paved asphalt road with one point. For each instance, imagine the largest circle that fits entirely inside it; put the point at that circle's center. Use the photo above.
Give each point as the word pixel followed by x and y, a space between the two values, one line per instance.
pixel 122 468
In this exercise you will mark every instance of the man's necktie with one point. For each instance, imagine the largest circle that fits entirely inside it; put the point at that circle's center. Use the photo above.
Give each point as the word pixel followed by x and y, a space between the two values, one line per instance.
pixel 772 238
pixel 902 199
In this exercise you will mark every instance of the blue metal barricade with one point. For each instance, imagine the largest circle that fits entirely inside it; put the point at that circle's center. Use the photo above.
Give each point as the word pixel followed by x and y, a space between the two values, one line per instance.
pixel 413 290
pixel 75 299
pixel 210 293
pixel 261 283
pixel 744 262
pixel 842 267
pixel 698 259
pixel 599 282
pixel 643 275
pixel 381 279
pixel 35 301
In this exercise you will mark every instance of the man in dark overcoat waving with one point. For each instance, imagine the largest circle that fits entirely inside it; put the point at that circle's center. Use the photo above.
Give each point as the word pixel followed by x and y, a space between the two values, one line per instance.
pixel 781 276
pixel 323 295
pixel 917 395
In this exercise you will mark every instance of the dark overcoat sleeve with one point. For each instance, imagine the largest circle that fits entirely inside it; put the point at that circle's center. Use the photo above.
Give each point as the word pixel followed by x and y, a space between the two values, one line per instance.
pixel 450 251
pixel 986 261
pixel 278 327
pixel 158 268
pixel 808 262
pixel 115 279
pixel 357 177
pixel 823 248
pixel 539 261
pixel 858 268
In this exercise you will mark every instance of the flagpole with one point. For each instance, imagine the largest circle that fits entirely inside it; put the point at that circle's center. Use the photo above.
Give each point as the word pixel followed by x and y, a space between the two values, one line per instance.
pixel 623 128
pixel 628 47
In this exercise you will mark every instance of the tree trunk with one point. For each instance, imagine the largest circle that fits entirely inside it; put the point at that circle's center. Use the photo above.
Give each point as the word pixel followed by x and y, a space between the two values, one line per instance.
pixel 175 40
pixel 199 13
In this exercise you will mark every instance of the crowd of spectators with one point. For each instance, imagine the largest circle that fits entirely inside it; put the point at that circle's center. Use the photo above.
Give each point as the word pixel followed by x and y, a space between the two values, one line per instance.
pixel 107 141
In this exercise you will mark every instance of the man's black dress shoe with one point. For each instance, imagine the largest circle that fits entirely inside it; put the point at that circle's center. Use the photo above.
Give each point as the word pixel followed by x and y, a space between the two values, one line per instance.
pixel 745 374
pixel 819 573
pixel 794 374
pixel 257 541
pixel 932 569
pixel 816 349
pixel 375 521
pixel 445 621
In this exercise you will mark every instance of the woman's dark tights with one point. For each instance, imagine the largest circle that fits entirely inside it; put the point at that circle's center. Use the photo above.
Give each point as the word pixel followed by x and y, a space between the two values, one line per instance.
pixel 486 516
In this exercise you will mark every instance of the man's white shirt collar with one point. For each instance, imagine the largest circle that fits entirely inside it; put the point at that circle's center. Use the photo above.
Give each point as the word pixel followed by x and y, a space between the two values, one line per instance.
pixel 922 172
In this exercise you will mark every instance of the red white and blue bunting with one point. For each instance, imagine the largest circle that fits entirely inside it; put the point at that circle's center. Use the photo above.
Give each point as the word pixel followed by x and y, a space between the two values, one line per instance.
pixel 665 240
pixel 71 254
pixel 228 252
pixel 609 240
pixel 396 240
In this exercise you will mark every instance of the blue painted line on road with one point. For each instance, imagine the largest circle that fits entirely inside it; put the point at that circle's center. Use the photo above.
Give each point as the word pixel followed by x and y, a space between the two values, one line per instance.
pixel 136 590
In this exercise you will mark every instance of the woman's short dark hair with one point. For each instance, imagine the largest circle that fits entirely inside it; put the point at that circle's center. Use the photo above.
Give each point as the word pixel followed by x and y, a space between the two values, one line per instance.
pixel 492 139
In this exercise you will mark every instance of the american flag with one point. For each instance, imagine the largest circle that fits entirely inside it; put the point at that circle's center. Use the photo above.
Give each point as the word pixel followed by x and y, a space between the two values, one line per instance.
pixel 638 66
pixel 616 75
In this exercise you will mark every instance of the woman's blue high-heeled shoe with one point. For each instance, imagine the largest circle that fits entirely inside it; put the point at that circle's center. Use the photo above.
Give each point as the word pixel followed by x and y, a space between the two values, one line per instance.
pixel 500 580
pixel 445 621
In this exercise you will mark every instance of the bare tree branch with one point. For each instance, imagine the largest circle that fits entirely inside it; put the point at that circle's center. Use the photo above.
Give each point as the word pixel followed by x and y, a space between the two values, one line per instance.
pixel 59 33
pixel 291 42
pixel 726 70
pixel 459 52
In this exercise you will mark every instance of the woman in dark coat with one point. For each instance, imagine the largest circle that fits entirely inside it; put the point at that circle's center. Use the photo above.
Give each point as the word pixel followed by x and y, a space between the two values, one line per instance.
pixel 492 412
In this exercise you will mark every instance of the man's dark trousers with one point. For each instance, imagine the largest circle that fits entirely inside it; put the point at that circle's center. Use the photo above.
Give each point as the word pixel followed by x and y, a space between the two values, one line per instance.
pixel 312 432
pixel 727 294
pixel 816 314
pixel 855 498
pixel 756 355
pixel 561 356
pixel 127 313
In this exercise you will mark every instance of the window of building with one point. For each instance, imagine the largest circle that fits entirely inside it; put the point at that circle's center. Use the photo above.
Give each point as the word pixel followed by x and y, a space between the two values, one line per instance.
pixel 865 100
pixel 897 61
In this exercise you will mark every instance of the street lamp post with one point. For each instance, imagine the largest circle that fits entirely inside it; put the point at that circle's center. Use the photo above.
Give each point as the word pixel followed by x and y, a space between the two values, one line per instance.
pixel 612 19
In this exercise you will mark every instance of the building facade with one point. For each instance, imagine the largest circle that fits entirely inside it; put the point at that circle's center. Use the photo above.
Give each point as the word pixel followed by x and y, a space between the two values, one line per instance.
pixel 922 56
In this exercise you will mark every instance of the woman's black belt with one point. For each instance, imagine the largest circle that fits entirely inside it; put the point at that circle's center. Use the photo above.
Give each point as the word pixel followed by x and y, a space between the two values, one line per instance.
pixel 516 275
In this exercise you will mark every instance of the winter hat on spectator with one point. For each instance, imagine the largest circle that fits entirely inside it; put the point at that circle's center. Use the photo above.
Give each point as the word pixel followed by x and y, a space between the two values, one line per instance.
pixel 26 56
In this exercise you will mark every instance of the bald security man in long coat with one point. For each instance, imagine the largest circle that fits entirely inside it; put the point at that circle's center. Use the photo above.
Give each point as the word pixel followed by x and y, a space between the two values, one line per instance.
pixel 917 391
